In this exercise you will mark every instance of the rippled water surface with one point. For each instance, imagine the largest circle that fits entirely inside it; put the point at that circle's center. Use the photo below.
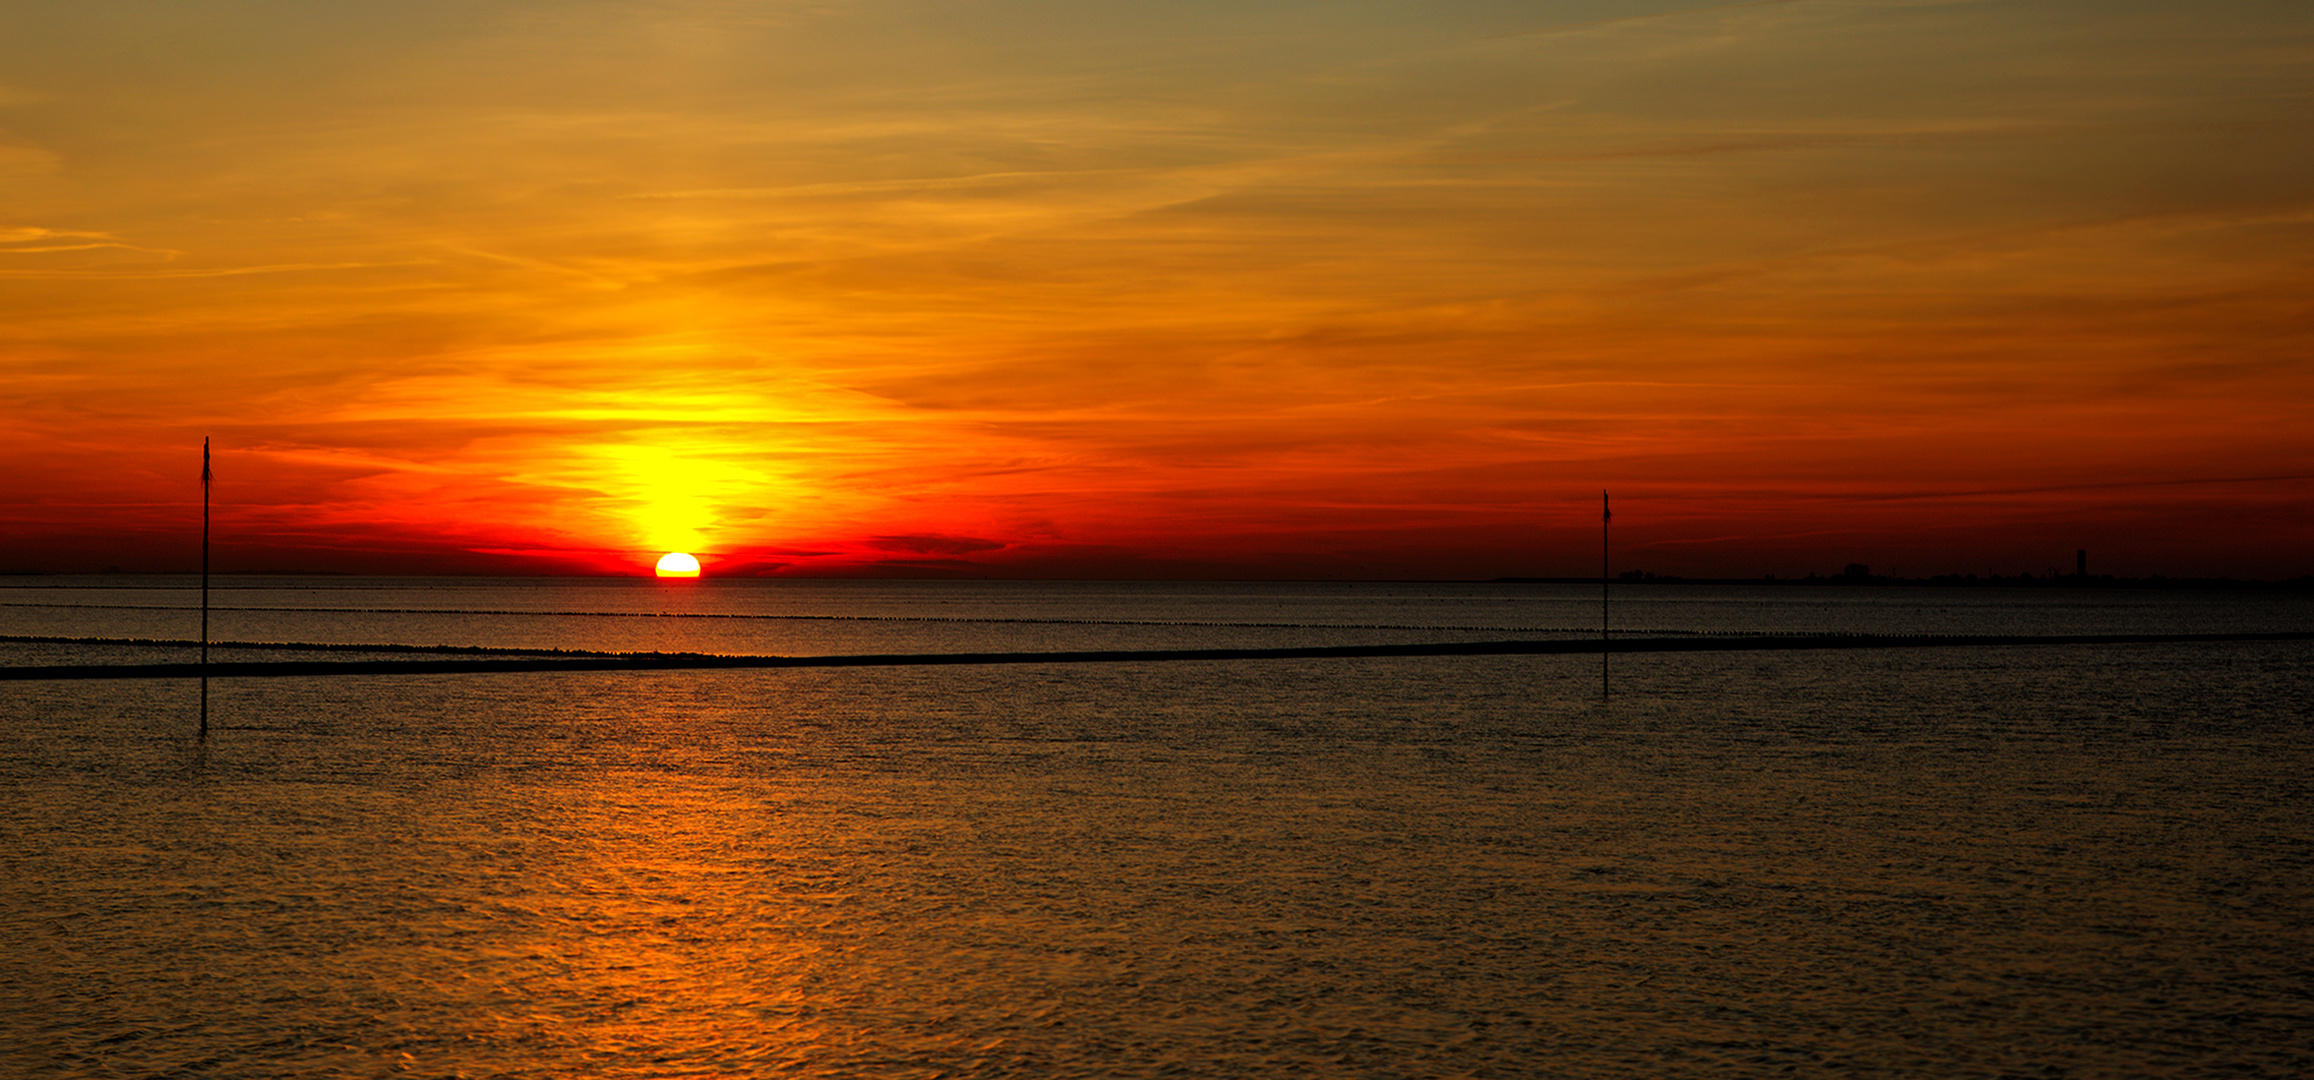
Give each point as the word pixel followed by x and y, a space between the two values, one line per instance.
pixel 2063 860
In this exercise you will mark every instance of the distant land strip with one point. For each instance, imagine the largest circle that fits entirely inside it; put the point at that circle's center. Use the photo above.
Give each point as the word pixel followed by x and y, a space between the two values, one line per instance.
pixel 795 617
pixel 703 661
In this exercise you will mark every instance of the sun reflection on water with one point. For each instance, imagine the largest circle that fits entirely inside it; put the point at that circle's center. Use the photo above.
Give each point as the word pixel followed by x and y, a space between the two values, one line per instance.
pixel 664 924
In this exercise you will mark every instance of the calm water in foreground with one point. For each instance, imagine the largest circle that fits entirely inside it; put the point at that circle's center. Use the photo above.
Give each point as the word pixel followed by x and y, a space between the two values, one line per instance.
pixel 2082 861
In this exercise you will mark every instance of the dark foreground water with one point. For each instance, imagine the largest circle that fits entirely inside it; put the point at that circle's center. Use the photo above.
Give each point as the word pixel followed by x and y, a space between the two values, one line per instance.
pixel 2082 861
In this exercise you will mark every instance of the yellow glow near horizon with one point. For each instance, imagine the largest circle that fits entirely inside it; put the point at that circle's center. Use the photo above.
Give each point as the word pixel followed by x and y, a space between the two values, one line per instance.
pixel 671 499
pixel 677 564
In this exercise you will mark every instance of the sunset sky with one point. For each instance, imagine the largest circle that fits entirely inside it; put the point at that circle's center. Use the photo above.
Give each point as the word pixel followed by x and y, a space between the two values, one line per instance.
pixel 1365 288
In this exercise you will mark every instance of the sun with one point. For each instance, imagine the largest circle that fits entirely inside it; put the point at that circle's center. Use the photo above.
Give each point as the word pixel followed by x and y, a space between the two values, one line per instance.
pixel 677 564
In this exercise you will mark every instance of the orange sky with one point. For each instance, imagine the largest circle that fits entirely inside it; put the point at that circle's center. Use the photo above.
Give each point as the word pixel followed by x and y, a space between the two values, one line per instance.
pixel 1290 289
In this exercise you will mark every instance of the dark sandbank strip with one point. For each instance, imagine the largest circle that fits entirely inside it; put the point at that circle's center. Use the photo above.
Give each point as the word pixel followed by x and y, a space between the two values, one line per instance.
pixel 294 646
pixel 519 662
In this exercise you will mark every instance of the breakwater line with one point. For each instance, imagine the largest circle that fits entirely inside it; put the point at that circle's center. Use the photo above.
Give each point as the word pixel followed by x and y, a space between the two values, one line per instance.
pixel 511 661
pixel 993 620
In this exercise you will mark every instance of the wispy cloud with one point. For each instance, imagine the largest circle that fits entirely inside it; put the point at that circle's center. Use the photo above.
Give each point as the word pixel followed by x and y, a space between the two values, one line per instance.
pixel 1653 16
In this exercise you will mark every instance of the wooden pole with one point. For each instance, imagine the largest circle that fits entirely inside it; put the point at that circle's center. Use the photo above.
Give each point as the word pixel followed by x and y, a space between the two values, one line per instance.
pixel 204 588
pixel 1606 514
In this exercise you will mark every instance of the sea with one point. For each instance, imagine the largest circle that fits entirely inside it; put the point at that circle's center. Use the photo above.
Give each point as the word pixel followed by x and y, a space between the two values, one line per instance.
pixel 2080 860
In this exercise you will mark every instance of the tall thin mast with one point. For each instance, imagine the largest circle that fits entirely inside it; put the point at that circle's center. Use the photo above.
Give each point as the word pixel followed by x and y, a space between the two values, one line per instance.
pixel 1606 514
pixel 204 587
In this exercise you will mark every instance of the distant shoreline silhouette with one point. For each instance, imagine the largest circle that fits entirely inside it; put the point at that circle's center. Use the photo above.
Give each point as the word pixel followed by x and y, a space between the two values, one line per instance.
pixel 1628 577
pixel 1939 581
